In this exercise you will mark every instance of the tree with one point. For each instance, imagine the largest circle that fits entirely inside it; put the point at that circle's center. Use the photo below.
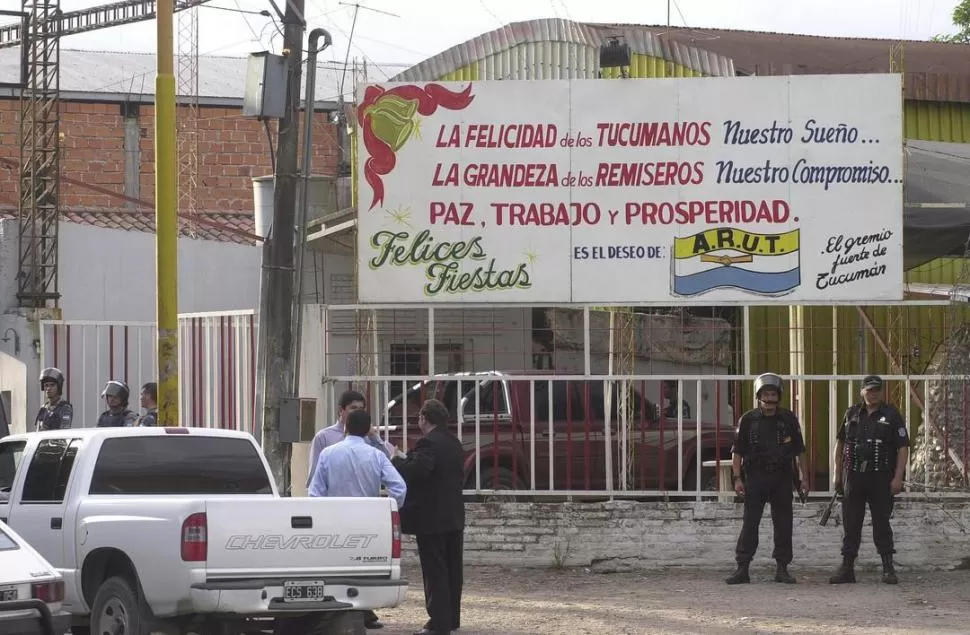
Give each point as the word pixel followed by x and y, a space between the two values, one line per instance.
pixel 961 19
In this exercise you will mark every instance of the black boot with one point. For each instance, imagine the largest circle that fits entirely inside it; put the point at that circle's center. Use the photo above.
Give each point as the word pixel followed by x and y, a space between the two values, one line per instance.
pixel 782 575
pixel 846 573
pixel 888 570
pixel 740 576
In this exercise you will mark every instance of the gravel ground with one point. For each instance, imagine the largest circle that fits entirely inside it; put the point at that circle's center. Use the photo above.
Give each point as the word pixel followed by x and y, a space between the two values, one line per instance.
pixel 576 601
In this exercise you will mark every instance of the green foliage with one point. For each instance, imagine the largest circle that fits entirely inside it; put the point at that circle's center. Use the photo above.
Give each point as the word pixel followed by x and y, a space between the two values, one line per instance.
pixel 961 20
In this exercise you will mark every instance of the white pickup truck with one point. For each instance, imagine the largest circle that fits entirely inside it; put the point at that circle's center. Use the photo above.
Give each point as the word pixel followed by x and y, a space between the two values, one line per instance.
pixel 181 530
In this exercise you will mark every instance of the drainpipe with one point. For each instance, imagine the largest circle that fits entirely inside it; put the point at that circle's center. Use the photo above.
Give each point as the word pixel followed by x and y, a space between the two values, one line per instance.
pixel 304 201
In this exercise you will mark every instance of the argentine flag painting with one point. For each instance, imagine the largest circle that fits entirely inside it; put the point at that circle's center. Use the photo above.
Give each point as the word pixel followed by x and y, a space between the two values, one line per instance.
pixel 762 264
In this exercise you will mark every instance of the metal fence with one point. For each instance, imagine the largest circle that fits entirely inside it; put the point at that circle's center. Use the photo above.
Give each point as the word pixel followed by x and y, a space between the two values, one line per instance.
pixel 694 366
pixel 217 365
pixel 528 435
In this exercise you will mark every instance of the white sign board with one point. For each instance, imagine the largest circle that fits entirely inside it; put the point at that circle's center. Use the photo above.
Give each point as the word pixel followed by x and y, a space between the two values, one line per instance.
pixel 751 190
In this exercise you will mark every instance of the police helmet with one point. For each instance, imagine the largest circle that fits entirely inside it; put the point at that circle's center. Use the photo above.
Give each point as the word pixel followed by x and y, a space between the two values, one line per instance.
pixel 54 375
pixel 768 380
pixel 115 388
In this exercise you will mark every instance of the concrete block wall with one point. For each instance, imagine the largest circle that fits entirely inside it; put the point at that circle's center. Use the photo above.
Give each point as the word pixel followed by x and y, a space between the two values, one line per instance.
pixel 623 535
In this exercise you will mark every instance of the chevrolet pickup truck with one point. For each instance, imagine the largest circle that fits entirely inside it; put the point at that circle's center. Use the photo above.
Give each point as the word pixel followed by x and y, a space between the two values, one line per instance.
pixel 182 530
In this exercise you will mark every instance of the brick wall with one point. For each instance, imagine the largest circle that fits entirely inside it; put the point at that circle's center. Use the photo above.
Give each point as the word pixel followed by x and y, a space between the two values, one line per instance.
pixel 627 535
pixel 232 150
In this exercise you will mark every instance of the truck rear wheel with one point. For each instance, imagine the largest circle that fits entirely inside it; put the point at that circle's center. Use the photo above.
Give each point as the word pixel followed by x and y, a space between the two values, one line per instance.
pixel 117 610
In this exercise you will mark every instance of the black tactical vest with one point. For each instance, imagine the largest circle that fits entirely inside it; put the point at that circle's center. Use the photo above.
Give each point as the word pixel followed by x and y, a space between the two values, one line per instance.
pixel 764 454
pixel 869 442
pixel 57 416
pixel 122 419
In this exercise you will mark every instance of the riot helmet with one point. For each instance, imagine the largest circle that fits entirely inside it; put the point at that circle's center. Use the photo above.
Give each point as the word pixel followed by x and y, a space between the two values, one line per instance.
pixel 54 375
pixel 115 388
pixel 768 380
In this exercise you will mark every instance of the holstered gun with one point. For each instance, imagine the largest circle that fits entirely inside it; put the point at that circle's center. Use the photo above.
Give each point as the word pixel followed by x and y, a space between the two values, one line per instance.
pixel 828 510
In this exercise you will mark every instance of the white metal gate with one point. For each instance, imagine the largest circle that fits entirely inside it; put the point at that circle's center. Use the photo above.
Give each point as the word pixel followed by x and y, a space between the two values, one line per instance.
pixel 217 365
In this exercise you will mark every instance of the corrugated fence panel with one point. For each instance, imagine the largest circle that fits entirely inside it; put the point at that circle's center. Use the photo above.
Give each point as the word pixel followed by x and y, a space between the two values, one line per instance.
pixel 937 121
pixel 939 271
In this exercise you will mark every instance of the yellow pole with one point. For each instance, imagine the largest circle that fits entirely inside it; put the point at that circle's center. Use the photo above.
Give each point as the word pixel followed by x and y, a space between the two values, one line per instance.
pixel 166 219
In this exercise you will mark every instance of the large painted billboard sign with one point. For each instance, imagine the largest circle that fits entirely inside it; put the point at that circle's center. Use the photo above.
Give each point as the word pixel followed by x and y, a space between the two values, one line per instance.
pixel 752 190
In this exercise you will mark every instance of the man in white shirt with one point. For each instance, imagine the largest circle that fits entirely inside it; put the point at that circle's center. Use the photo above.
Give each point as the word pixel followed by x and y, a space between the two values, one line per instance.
pixel 350 401
pixel 353 467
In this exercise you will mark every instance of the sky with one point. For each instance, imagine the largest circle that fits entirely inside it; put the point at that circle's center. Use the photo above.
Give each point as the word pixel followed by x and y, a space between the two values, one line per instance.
pixel 392 33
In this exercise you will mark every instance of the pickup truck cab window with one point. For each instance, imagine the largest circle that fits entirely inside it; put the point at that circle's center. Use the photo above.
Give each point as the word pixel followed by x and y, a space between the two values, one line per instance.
pixel 491 399
pixel 160 465
pixel 10 454
pixel 49 471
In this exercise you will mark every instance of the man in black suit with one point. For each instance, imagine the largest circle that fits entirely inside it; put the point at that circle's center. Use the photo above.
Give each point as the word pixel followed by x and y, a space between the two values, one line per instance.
pixel 434 512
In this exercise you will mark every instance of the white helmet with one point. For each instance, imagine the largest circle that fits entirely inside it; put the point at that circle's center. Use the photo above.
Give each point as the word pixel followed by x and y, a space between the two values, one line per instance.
pixel 768 380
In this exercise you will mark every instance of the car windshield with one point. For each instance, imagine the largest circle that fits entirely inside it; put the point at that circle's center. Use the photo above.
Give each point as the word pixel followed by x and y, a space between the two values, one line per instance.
pixel 6 542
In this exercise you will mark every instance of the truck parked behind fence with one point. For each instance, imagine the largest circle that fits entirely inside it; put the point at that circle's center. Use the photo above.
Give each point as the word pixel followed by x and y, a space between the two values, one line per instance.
pixel 554 434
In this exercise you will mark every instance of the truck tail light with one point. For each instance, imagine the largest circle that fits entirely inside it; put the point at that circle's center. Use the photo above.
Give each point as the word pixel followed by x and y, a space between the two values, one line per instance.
pixel 195 541
pixel 48 592
pixel 395 536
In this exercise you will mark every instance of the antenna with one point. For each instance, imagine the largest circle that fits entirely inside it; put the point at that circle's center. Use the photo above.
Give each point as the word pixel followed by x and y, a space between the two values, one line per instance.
pixel 357 7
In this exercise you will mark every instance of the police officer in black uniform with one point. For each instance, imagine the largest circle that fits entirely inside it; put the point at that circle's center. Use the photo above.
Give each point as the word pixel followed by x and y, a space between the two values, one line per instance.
pixel 56 413
pixel 870 461
pixel 767 448
pixel 149 401
pixel 117 415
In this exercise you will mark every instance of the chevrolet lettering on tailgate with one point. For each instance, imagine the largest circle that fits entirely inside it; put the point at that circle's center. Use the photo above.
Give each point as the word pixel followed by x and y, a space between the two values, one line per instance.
pixel 319 541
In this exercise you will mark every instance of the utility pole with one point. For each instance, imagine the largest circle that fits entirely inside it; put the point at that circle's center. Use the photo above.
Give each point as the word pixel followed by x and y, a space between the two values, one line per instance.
pixel 166 219
pixel 276 285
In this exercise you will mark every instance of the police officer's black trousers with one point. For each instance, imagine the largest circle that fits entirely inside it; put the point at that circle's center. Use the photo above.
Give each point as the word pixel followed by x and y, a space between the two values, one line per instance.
pixel 872 488
pixel 762 487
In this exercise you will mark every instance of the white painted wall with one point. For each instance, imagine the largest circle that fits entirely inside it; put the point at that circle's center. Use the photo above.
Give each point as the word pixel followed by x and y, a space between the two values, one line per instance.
pixel 109 275
pixel 13 379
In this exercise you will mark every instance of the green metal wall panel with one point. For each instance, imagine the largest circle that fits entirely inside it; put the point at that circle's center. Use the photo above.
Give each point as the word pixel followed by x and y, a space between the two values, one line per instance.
pixel 464 74
pixel 939 271
pixel 647 66
pixel 937 121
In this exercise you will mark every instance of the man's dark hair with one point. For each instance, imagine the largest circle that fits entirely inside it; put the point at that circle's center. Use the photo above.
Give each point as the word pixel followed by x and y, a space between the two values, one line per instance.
pixel 434 412
pixel 358 423
pixel 349 397
pixel 152 389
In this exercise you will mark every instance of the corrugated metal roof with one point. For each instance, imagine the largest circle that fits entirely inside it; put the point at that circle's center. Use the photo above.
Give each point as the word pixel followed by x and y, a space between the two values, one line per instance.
pixel 227 228
pixel 813 54
pixel 935 71
pixel 587 36
pixel 103 72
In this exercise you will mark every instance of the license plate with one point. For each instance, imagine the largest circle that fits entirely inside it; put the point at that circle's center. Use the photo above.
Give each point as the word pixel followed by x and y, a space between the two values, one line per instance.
pixel 8 593
pixel 310 591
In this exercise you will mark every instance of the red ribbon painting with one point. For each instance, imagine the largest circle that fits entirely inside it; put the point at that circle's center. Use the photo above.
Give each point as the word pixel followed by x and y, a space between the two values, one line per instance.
pixel 382 160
